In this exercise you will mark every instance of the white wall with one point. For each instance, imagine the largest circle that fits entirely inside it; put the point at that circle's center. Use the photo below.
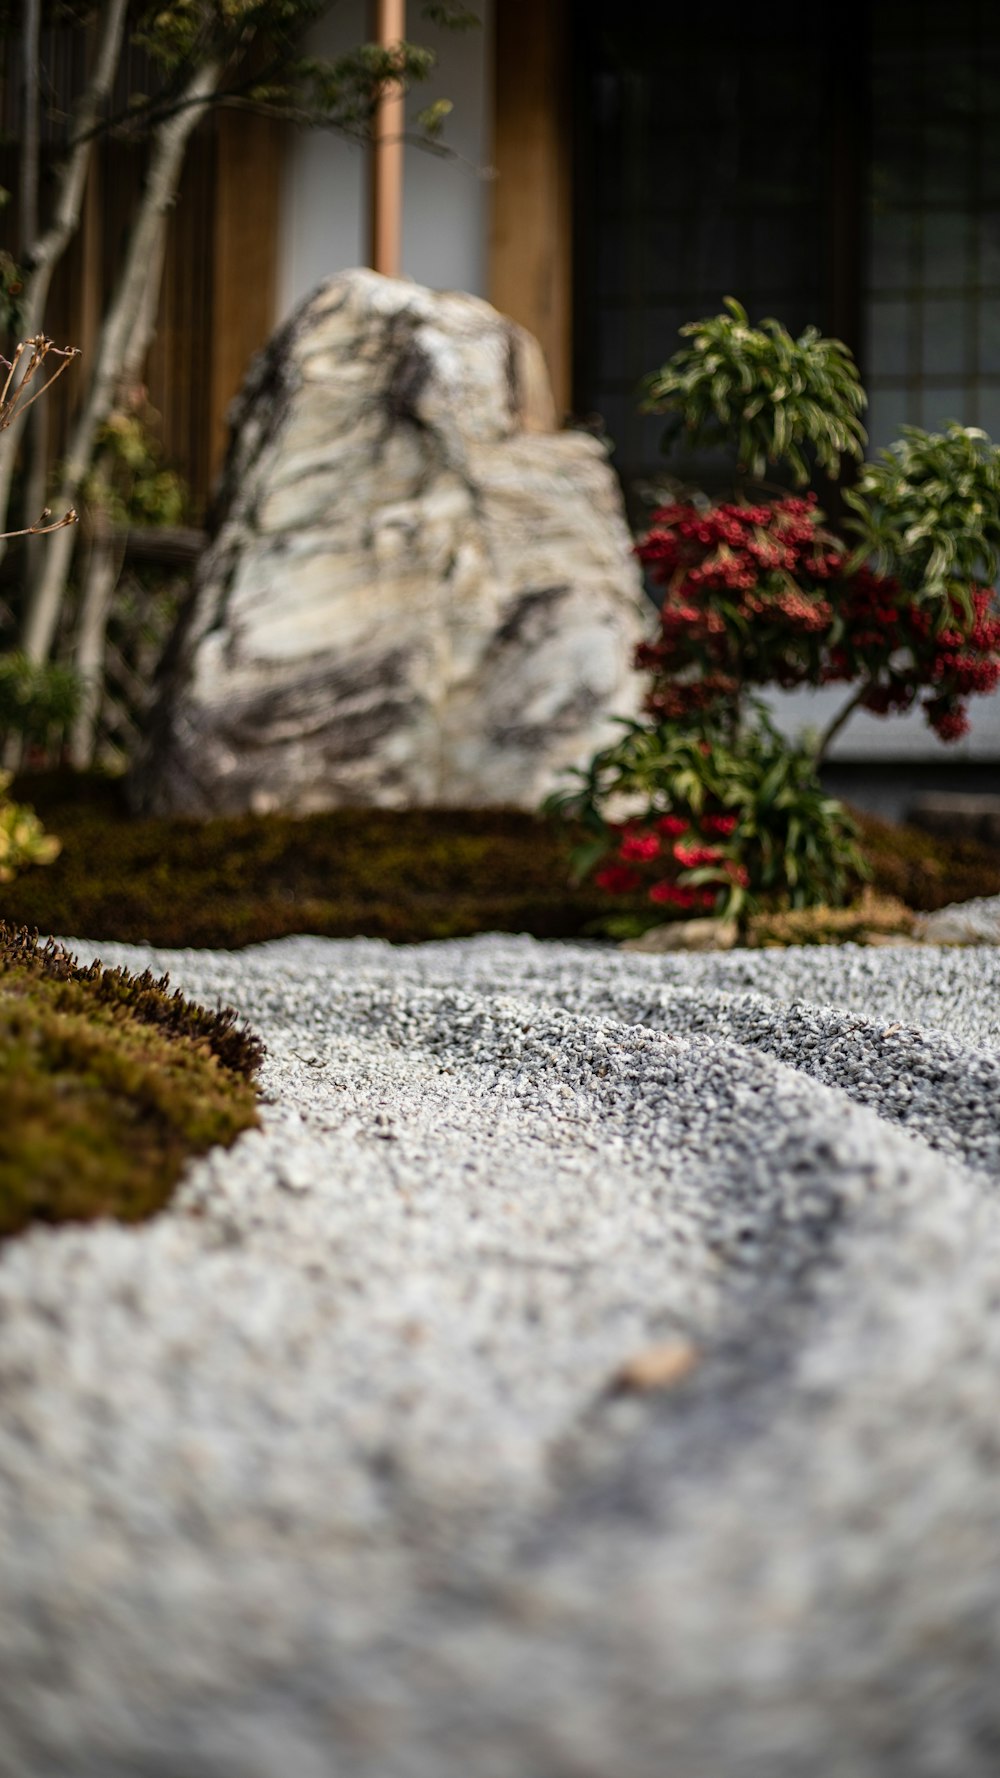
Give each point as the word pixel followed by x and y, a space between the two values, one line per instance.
pixel 904 739
pixel 446 202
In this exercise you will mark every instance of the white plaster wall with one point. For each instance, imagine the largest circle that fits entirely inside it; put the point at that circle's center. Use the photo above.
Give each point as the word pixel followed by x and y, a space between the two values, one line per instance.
pixel 446 201
pixel 906 739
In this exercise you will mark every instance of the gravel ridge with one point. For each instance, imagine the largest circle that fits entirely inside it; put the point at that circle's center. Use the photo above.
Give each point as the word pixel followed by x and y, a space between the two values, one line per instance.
pixel 327 1470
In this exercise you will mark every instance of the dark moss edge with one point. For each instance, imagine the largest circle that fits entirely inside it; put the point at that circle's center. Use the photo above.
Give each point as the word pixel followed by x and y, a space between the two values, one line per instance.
pixel 144 998
pixel 109 1086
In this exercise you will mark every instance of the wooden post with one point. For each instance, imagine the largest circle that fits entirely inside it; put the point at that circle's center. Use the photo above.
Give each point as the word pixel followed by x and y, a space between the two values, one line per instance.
pixel 245 232
pixel 531 241
pixel 387 152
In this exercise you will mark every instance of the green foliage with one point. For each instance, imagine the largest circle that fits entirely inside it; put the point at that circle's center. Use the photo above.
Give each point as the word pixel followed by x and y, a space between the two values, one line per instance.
pixel 651 767
pixel 181 32
pixel 337 92
pixel 342 92
pixel 143 616
pixel 928 511
pixel 130 482
pixel 23 840
pixel 758 594
pixel 38 701
pixel 434 117
pixel 451 15
pixel 754 826
pixel 770 394
pixel 108 1086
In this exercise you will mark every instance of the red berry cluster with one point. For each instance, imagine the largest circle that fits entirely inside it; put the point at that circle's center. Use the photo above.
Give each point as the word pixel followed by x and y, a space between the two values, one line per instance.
pixel 674 848
pixel 894 644
pixel 757 595
pixel 744 601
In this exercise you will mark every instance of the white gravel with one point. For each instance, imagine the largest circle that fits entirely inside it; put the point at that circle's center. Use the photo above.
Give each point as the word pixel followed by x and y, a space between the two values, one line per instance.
pixel 320 1474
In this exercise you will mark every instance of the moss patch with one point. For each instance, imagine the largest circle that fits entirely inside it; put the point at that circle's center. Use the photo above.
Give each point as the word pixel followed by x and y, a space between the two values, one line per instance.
pixel 922 870
pixel 109 1084
pixel 873 919
pixel 403 875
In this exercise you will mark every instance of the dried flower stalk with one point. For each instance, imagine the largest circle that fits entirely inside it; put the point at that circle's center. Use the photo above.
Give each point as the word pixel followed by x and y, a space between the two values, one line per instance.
pixel 30 361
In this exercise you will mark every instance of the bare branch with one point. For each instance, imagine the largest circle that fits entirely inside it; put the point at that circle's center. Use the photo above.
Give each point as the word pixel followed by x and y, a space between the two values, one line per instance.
pixel 41 528
pixel 12 397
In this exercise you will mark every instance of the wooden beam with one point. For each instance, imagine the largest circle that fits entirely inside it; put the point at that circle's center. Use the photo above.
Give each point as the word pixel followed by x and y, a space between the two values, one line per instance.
pixel 174 546
pixel 531 238
pixel 387 151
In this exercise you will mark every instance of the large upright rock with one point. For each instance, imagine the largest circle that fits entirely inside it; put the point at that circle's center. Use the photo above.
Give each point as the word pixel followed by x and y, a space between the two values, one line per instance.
pixel 417 591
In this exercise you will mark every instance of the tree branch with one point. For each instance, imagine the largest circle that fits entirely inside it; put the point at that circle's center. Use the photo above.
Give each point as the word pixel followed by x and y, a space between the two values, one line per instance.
pixel 124 341
pixel 43 255
pixel 830 733
pixel 42 528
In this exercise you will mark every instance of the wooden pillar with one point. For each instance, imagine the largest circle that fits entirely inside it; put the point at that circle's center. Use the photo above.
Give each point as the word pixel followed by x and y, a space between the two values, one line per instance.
pixel 387 152
pixel 244 246
pixel 531 239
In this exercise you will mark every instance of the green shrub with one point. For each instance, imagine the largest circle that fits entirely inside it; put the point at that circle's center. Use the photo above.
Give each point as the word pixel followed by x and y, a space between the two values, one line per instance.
pixel 757 591
pixel 23 840
pixel 764 391
pixel 927 513
pixel 38 701
pixel 710 822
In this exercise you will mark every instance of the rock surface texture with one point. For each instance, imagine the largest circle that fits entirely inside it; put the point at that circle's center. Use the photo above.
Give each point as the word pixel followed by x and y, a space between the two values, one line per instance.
pixel 962 923
pixel 589 1370
pixel 417 590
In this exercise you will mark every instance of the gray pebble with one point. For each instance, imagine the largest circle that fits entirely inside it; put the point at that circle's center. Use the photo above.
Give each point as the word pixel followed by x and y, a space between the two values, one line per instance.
pixel 325 1472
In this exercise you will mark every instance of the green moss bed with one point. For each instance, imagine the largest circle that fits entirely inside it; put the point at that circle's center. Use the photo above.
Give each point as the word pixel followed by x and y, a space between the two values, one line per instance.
pixel 403 875
pixel 109 1084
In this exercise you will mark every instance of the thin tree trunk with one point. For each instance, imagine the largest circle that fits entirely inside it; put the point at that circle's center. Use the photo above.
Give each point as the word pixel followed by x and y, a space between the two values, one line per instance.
pixel 831 732
pixel 125 338
pixel 103 567
pixel 42 254
pixel 36 484
pixel 38 431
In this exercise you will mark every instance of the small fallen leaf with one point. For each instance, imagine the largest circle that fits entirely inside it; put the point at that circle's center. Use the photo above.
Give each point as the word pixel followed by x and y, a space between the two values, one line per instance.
pixel 657 1367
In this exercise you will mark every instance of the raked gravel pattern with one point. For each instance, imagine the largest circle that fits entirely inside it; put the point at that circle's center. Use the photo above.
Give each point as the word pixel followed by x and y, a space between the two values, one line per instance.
pixel 325 1473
